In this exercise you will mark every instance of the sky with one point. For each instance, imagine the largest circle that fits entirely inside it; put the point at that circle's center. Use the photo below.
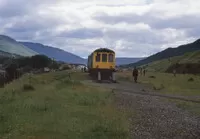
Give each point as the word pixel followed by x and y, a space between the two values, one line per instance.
pixel 132 28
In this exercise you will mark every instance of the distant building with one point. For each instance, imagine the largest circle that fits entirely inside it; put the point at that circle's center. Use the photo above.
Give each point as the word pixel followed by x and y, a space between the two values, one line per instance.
pixel 2 73
pixel 80 67
pixel 65 67
pixel 77 66
pixel 46 69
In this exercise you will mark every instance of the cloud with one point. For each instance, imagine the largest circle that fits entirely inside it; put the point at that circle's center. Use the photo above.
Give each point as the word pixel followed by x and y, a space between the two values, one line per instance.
pixel 131 28
pixel 18 8
pixel 179 22
pixel 82 33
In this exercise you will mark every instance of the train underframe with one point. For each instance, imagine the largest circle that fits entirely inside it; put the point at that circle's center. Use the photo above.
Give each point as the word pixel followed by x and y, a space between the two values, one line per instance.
pixel 103 74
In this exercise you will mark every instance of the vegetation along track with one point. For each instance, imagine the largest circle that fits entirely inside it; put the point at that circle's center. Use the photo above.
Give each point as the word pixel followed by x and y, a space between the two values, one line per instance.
pixel 140 89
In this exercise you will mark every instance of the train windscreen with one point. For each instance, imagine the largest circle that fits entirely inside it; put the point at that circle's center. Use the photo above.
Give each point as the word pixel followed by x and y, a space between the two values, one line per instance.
pixel 110 58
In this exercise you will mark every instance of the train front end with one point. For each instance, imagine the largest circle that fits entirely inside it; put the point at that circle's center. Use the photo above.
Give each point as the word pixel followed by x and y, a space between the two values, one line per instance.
pixel 101 64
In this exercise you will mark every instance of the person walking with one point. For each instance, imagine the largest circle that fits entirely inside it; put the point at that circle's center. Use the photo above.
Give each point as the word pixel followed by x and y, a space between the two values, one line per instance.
pixel 84 69
pixel 144 72
pixel 135 74
pixel 141 71
pixel 174 72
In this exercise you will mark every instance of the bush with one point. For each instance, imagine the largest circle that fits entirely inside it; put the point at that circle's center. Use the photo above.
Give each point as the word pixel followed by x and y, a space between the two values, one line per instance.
pixel 153 77
pixel 36 62
pixel 28 87
pixel 190 80
pixel 158 88
pixel 40 61
pixel 26 69
pixel 54 65
pixel 12 72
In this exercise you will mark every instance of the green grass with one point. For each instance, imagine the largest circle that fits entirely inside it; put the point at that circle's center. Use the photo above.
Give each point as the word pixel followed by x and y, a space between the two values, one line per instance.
pixel 162 65
pixel 178 85
pixel 167 83
pixel 59 108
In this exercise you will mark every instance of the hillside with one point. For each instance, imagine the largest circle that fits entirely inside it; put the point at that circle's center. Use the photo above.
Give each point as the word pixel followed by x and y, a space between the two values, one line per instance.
pixel 163 65
pixel 56 53
pixel 170 52
pixel 10 46
pixel 65 56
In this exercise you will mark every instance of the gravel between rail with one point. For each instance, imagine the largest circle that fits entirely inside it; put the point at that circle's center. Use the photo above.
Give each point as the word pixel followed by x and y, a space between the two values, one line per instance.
pixel 153 117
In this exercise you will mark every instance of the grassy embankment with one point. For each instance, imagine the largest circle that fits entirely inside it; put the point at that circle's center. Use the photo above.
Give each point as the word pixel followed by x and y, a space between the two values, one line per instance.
pixel 59 108
pixel 163 65
pixel 168 84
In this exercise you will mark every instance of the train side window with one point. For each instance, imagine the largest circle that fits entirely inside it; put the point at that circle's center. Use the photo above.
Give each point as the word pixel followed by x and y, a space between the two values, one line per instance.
pixel 104 58
pixel 98 57
pixel 110 58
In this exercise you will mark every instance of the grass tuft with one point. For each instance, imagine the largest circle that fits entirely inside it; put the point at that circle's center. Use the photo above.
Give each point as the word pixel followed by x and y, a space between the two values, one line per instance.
pixel 28 87
pixel 153 77
pixel 190 80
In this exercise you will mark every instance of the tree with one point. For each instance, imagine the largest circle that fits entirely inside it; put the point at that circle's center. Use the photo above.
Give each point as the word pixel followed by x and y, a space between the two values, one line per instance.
pixel 40 61
pixel 12 72
pixel 54 65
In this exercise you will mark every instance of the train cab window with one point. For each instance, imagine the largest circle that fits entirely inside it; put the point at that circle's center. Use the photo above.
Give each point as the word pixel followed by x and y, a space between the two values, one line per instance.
pixel 98 57
pixel 104 58
pixel 110 58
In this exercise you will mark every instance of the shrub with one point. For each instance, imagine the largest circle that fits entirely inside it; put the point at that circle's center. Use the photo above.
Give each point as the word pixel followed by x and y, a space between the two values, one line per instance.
pixel 190 80
pixel 28 87
pixel 152 77
pixel 158 88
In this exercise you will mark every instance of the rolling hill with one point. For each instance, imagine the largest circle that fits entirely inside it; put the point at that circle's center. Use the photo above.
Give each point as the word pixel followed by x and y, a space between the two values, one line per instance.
pixel 56 53
pixel 170 52
pixel 65 56
pixel 192 58
pixel 9 46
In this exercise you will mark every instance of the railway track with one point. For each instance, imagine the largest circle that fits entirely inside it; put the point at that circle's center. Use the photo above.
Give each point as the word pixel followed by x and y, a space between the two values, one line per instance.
pixel 120 87
pixel 183 98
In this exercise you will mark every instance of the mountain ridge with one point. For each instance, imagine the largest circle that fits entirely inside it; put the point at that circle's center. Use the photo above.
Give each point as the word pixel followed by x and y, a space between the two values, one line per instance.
pixel 44 49
pixel 169 52
pixel 9 45
pixel 55 53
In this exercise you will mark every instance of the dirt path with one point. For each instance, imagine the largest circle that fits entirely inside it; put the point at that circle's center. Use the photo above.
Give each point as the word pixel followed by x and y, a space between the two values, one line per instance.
pixel 153 117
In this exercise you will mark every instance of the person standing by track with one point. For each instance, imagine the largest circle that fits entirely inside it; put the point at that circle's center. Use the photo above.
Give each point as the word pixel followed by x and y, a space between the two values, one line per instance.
pixel 144 72
pixel 141 71
pixel 135 74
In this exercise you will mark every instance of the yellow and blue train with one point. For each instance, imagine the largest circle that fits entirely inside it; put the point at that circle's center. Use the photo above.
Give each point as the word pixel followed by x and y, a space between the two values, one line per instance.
pixel 101 64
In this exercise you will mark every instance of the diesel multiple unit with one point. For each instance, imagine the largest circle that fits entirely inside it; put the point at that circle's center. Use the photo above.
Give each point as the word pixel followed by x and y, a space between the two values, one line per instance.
pixel 101 64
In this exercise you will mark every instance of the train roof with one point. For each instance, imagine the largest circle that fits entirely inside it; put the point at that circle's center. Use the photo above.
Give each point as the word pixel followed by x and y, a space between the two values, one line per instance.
pixel 104 50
